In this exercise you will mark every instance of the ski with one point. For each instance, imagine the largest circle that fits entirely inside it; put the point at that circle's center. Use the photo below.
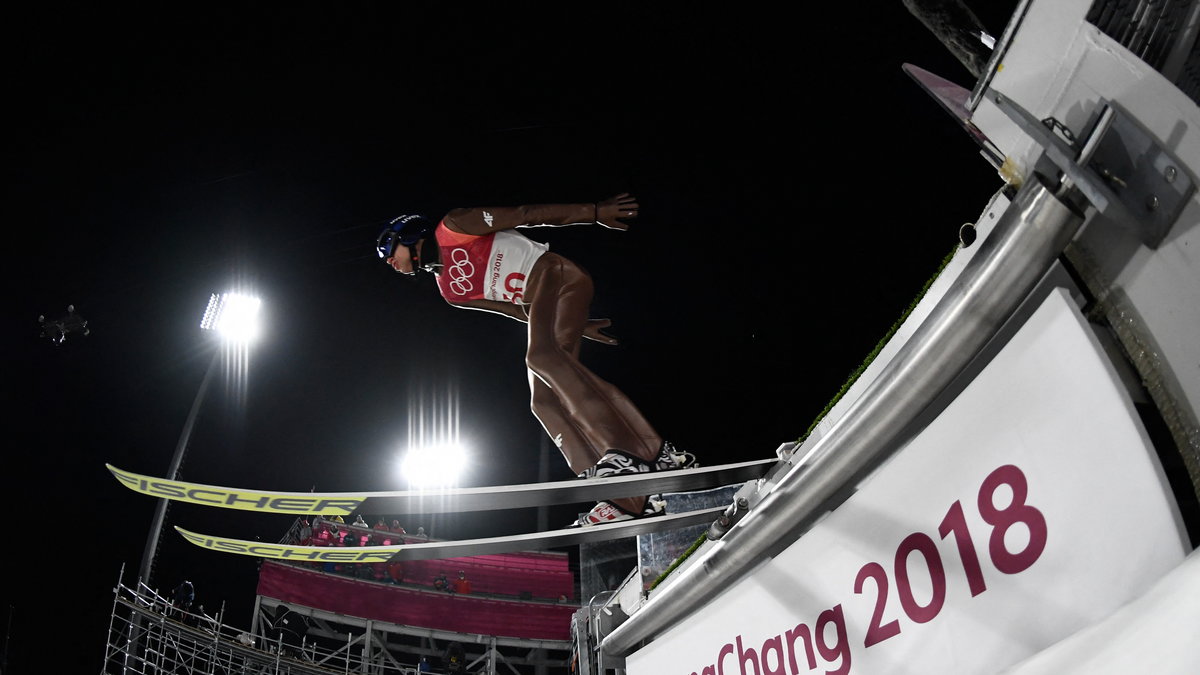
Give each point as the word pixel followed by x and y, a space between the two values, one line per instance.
pixel 453 500
pixel 534 541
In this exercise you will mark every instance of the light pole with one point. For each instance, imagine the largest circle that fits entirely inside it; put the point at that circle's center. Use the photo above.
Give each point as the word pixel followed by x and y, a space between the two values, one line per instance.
pixel 234 317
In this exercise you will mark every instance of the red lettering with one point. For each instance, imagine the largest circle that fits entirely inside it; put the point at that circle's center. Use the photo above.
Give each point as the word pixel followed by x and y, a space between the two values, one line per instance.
pixel 515 285
pixel 839 650
pixel 834 645
pixel 1001 520
pixel 955 523
pixel 772 645
pixel 877 632
pixel 800 631
pixel 726 650
pixel 920 542
pixel 748 655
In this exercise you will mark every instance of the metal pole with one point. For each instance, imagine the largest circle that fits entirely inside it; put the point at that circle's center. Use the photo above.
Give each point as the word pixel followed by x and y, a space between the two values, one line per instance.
pixel 366 648
pixel 1023 244
pixel 255 622
pixel 160 513
pixel 543 519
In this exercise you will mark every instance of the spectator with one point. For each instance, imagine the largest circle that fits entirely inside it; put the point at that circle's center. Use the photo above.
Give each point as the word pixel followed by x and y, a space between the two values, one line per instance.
pixel 321 537
pixel 182 598
pixel 291 626
pixel 369 571
pixel 335 539
pixel 306 532
pixel 321 534
pixel 395 570
pixel 349 540
pixel 383 536
pixel 364 571
pixel 456 658
pixel 396 528
pixel 461 585
pixel 423 665
pixel 379 570
pixel 359 522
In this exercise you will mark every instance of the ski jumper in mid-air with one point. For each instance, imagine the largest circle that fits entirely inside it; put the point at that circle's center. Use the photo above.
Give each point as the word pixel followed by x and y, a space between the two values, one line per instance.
pixel 482 263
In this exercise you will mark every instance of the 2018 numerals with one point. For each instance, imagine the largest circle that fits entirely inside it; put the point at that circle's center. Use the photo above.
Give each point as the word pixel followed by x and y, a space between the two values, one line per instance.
pixel 1001 518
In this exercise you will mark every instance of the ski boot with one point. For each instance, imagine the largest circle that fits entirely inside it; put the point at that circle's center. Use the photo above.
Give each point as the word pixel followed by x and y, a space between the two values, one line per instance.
pixel 617 463
pixel 670 459
pixel 608 512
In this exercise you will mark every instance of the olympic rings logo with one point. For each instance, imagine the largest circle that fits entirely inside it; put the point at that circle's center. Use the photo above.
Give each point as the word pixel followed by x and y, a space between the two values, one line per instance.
pixel 461 272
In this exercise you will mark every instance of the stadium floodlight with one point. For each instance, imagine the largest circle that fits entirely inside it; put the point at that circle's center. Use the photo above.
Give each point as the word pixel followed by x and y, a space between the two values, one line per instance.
pixel 234 316
pixel 434 466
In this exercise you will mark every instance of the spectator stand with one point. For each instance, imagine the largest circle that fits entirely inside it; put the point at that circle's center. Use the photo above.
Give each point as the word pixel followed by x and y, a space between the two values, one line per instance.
pixel 527 575
pixel 518 600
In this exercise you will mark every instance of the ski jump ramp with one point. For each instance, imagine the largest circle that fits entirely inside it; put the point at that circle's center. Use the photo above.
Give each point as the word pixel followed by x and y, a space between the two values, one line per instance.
pixel 1011 485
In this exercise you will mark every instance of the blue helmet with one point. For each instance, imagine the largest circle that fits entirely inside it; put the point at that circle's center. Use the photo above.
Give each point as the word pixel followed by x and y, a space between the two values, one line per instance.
pixel 403 231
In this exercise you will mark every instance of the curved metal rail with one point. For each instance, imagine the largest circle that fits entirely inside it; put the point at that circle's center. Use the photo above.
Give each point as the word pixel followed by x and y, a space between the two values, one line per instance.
pixel 1025 241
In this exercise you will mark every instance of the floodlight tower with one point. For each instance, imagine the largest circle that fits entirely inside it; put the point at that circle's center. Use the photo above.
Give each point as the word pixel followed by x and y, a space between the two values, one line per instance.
pixel 234 318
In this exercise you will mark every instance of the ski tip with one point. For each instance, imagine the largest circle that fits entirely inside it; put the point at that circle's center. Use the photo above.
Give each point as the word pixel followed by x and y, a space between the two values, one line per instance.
pixel 129 480
pixel 193 537
pixel 116 471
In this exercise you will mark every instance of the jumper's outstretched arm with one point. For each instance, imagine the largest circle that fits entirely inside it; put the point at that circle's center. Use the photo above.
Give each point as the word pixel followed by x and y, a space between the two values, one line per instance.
pixel 482 220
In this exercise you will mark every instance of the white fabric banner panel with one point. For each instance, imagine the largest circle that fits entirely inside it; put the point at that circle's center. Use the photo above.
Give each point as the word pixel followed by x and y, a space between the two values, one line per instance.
pixel 1031 508
pixel 1154 634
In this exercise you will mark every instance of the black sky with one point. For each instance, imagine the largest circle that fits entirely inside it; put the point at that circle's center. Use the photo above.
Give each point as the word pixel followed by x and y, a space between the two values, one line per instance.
pixel 796 191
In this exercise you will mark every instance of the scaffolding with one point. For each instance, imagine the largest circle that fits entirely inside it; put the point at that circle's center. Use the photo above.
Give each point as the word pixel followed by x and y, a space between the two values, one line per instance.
pixel 147 635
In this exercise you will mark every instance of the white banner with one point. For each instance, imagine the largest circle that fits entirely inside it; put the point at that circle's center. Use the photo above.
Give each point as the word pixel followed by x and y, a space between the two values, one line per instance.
pixel 1031 508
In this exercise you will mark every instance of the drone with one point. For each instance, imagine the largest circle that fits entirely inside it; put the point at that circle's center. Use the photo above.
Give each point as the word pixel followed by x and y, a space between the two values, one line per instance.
pixel 57 329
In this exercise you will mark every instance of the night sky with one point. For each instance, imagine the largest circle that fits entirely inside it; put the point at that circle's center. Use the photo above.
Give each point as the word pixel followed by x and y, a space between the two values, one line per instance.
pixel 796 191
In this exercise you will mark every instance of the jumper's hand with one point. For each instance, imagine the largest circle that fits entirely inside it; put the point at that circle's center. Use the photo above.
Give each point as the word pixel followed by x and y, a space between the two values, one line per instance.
pixel 594 330
pixel 610 210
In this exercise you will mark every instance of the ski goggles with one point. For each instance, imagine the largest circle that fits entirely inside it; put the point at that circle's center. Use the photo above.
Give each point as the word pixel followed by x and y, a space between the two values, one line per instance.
pixel 402 231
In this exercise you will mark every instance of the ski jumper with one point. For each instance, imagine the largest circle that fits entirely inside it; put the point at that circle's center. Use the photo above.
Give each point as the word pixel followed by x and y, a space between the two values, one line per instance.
pixel 585 415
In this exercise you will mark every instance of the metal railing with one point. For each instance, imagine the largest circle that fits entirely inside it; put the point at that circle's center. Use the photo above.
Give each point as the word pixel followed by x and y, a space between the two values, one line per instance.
pixel 1025 241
